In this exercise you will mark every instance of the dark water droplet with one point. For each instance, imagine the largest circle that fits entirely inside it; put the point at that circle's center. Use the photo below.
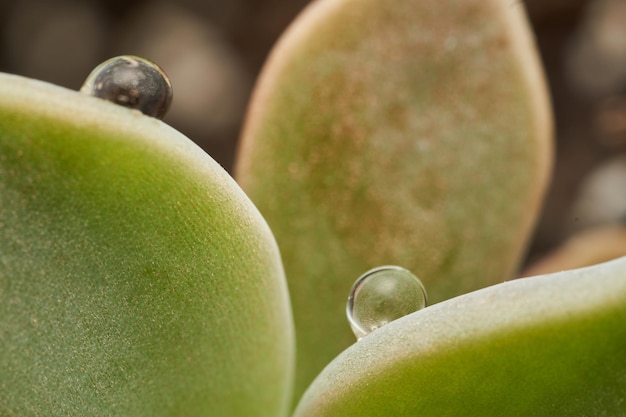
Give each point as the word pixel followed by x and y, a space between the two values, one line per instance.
pixel 132 82
pixel 382 295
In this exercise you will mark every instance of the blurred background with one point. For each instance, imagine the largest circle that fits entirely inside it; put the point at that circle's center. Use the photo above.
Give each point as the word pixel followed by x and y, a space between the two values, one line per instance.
pixel 213 51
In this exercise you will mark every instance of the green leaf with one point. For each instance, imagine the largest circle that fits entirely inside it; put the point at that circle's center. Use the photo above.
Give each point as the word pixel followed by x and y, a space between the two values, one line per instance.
pixel 552 345
pixel 415 133
pixel 136 278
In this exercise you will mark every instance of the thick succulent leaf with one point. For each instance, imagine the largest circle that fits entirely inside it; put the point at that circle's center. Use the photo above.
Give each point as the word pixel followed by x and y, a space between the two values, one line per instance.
pixel 136 278
pixel 552 345
pixel 407 132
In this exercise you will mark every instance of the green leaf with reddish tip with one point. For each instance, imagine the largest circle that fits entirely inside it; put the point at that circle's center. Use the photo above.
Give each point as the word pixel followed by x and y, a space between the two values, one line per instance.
pixel 551 345
pixel 136 278
pixel 415 133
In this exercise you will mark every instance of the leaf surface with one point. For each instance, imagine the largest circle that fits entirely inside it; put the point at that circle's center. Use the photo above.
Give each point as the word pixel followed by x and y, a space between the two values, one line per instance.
pixel 552 345
pixel 136 278
pixel 414 133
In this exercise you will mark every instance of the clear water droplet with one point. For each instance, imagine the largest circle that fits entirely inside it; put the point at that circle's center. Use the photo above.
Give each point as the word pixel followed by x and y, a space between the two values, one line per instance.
pixel 382 295
pixel 132 82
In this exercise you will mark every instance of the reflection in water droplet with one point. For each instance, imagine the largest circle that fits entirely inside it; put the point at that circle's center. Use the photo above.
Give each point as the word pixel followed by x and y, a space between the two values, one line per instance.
pixel 132 82
pixel 382 295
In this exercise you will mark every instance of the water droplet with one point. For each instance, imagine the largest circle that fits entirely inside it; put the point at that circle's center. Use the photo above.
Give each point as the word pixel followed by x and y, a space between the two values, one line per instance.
pixel 132 82
pixel 382 295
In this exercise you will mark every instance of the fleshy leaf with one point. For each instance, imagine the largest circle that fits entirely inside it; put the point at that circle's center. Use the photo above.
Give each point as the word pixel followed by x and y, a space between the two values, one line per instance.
pixel 136 278
pixel 414 133
pixel 551 345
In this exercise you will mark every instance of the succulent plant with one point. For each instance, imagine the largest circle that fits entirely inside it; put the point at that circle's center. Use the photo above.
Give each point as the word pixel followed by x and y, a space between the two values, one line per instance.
pixel 138 279
pixel 408 133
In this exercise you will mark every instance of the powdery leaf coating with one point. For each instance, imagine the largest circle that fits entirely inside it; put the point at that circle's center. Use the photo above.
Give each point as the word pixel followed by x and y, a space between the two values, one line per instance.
pixel 543 346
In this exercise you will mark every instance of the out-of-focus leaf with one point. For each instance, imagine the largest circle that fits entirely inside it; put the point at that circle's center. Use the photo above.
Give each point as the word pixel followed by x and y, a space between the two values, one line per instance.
pixel 415 133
